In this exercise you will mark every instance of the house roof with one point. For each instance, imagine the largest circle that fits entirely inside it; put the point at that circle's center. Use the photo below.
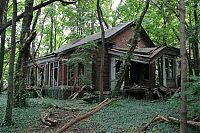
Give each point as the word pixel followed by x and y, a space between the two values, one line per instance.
pixel 94 37
pixel 146 55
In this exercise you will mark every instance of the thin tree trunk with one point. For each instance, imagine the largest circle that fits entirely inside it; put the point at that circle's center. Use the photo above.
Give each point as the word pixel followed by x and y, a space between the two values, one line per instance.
pixel 55 32
pixel 22 66
pixel 196 41
pixel 125 65
pixel 51 30
pixel 183 110
pixel 8 116
pixel 33 29
pixel 101 78
pixel 41 37
pixel 3 20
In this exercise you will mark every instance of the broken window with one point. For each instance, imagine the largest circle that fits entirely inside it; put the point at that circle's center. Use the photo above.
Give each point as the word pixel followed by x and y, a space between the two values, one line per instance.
pixel 55 73
pixel 51 74
pixel 71 75
pixel 80 73
pixel 169 68
pixel 31 76
pixel 118 64
pixel 41 76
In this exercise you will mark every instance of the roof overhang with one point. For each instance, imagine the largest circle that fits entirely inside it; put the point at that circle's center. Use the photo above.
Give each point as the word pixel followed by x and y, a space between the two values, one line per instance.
pixel 146 55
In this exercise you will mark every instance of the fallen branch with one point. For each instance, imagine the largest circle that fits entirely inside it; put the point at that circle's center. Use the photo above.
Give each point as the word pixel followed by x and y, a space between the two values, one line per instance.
pixel 175 120
pixel 48 121
pixel 84 116
pixel 38 95
pixel 146 125
pixel 167 119
pixel 74 95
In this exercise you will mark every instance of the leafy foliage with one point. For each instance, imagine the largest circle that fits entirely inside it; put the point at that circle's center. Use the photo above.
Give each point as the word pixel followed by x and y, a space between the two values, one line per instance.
pixel 83 54
pixel 194 95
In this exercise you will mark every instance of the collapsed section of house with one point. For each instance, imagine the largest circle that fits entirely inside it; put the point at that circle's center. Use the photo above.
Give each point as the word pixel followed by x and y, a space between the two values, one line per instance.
pixel 151 68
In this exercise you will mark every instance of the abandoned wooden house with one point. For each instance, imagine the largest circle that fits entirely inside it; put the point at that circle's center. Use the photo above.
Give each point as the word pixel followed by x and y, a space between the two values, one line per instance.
pixel 150 66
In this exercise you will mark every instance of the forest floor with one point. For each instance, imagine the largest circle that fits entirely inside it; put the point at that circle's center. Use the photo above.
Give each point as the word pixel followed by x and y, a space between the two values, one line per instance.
pixel 125 114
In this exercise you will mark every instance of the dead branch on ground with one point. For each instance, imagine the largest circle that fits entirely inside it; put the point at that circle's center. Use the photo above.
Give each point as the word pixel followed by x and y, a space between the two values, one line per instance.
pixel 47 120
pixel 167 119
pixel 175 120
pixel 146 125
pixel 84 116
pixel 38 95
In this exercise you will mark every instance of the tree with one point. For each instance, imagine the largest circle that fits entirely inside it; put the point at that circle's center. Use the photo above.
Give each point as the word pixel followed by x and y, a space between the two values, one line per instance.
pixel 43 4
pixel 3 19
pixel 26 38
pixel 102 49
pixel 8 116
pixel 125 65
pixel 183 111
pixel 196 40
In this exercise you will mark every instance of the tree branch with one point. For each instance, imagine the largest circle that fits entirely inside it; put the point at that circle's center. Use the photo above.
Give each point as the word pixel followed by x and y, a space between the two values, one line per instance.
pixel 3 27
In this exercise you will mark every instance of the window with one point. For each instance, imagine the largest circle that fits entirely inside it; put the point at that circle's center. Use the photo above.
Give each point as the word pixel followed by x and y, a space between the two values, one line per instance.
pixel 55 71
pixel 70 75
pixel 169 68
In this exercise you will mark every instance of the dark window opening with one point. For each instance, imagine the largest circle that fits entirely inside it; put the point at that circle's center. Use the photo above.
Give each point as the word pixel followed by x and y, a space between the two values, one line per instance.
pixel 55 80
pixel 146 72
pixel 51 74
pixel 169 68
pixel 118 65
pixel 32 77
pixel 41 76
pixel 71 75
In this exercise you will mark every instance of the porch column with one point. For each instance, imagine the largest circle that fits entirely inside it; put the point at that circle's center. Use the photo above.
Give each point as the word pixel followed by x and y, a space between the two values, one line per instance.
pixel 49 73
pixel 112 73
pixel 164 71
pixel 175 67
pixel 38 76
pixel 58 72
pixel 44 74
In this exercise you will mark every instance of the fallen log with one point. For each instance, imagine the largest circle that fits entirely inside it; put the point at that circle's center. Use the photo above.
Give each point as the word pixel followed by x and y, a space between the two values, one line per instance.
pixel 175 120
pixel 84 116
pixel 167 119
pixel 146 125
pixel 38 95
pixel 47 120
pixel 78 92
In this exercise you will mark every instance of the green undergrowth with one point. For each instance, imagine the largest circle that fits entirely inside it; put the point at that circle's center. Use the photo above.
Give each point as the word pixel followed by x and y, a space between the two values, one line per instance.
pixel 128 114
pixel 29 117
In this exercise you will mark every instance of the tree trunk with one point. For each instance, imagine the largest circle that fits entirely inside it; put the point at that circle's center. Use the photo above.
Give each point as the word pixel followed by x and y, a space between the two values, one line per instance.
pixel 196 41
pixel 41 37
pixel 8 116
pixel 102 48
pixel 125 65
pixel 51 30
pixel 183 110
pixel 22 65
pixel 3 20
pixel 33 29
